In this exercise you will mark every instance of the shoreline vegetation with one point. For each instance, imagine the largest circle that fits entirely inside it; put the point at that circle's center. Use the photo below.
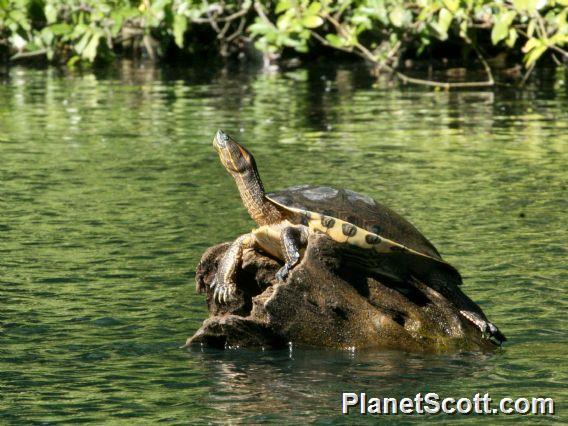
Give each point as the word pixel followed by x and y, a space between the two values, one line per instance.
pixel 504 41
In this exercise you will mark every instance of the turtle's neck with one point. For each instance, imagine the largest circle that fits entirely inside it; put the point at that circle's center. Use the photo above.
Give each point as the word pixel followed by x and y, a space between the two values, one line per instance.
pixel 262 211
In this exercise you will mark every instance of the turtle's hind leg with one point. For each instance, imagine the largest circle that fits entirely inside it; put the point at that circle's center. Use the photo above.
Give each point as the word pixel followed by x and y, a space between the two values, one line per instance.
pixel 488 329
pixel 224 284
pixel 292 240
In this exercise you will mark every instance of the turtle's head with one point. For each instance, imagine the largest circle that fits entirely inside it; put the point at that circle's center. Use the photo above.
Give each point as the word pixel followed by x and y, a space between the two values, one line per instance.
pixel 234 157
pixel 240 163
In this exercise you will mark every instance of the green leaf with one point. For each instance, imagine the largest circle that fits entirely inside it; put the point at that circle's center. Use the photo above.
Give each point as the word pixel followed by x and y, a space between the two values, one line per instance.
pixel 443 23
pixel 312 21
pixel 520 4
pixel 531 44
pixel 445 19
pixel 501 28
pixel 512 38
pixel 285 20
pixel 117 19
pixel 463 29
pixel 396 16
pixel 558 39
pixel 73 60
pixel 314 8
pixel 20 18
pixel 335 40
pixel 47 36
pixel 534 54
pixel 526 5
pixel 531 27
pixel 50 13
pixel 79 47
pixel 90 51
pixel 533 49
pixel 179 28
pixel 260 27
pixel 282 6
pixel 452 5
pixel 61 29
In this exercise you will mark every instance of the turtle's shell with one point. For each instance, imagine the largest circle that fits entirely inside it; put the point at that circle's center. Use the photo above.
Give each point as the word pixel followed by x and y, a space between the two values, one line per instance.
pixel 358 209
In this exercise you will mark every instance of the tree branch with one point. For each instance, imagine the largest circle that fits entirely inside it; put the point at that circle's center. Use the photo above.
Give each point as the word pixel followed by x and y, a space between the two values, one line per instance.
pixel 367 54
pixel 21 55
pixel 527 75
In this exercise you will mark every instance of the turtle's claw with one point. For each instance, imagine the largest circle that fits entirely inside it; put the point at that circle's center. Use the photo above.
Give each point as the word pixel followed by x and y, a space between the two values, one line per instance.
pixel 222 291
pixel 215 293
pixel 488 330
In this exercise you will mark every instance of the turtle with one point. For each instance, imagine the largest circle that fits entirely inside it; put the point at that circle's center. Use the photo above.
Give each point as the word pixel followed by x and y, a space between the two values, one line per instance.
pixel 377 238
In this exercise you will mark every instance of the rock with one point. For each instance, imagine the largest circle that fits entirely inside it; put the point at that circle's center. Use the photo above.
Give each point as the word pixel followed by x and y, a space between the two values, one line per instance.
pixel 325 303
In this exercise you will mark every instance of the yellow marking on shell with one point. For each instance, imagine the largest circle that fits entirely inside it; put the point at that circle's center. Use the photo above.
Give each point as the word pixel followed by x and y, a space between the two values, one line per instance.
pixel 335 232
pixel 314 221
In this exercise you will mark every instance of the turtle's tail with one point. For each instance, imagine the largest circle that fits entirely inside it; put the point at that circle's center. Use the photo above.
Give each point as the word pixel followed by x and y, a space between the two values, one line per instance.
pixel 488 329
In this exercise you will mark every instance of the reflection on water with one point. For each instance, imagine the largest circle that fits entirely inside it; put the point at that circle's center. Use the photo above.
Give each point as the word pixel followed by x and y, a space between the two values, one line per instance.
pixel 110 191
pixel 308 384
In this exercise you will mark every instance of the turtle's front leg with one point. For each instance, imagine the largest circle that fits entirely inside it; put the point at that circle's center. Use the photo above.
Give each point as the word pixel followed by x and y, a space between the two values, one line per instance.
pixel 224 283
pixel 292 240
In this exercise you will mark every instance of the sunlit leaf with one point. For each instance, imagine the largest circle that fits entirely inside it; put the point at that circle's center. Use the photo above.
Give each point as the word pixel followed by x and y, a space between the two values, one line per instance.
pixel 79 47
pixel 61 29
pixel 452 5
pixel 463 29
pixel 397 16
pixel 90 51
pixel 260 27
pixel 531 27
pixel 47 36
pixel 335 40
pixel 531 44
pixel 179 28
pixel 282 6
pixel 50 13
pixel 501 28
pixel 559 39
pixel 313 8
pixel 20 18
pixel 445 19
pixel 312 21
pixel 73 60
pixel 512 38
pixel 534 54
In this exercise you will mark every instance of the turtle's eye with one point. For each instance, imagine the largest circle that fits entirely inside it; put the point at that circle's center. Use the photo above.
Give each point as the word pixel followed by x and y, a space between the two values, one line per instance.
pixel 221 140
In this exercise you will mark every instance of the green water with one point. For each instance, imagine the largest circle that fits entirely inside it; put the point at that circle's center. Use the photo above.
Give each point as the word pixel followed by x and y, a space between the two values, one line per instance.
pixel 110 191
